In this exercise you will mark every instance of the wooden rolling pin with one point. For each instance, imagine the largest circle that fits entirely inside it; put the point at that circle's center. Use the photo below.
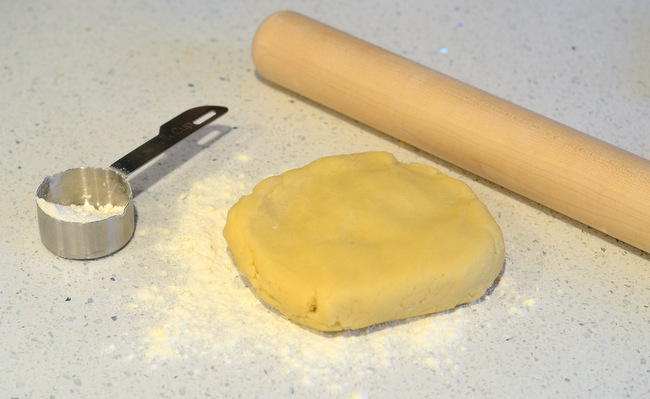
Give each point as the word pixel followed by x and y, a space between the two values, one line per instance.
pixel 582 177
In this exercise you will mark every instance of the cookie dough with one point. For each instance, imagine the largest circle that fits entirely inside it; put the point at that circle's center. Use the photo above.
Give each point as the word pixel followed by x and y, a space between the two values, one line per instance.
pixel 349 241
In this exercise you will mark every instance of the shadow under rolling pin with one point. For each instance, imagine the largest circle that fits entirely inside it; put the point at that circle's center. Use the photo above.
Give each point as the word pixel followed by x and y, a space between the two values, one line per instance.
pixel 573 173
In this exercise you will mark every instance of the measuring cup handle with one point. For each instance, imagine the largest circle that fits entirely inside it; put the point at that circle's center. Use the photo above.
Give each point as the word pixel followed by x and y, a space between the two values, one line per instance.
pixel 170 133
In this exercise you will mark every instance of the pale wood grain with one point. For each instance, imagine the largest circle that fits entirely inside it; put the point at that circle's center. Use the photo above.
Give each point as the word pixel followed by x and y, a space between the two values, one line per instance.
pixel 571 172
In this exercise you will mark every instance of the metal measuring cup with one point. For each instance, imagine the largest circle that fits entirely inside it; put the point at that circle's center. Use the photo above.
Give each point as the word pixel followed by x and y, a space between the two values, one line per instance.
pixel 89 238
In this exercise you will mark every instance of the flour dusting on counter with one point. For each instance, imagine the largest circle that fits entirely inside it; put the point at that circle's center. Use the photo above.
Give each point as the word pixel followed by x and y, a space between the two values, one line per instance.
pixel 214 313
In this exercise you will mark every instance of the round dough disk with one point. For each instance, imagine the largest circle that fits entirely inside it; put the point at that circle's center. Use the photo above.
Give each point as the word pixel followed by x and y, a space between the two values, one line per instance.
pixel 353 240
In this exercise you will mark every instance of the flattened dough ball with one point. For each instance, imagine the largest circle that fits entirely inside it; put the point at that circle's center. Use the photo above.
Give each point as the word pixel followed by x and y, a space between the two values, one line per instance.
pixel 349 241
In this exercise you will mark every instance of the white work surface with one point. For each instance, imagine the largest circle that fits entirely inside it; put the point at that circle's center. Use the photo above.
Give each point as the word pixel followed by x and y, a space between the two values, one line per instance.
pixel 169 315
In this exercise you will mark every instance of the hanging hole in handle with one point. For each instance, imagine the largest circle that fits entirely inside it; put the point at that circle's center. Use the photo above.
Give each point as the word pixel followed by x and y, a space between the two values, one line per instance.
pixel 201 119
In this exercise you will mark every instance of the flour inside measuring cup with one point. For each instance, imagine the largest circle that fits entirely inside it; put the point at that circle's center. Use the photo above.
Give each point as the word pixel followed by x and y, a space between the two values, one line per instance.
pixel 79 213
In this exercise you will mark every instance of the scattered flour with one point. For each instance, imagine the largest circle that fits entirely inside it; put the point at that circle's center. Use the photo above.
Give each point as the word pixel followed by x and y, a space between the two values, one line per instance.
pixel 529 303
pixel 206 308
pixel 79 213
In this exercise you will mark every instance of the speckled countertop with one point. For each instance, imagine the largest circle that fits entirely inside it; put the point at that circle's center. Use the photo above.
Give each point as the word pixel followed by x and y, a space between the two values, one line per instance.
pixel 82 83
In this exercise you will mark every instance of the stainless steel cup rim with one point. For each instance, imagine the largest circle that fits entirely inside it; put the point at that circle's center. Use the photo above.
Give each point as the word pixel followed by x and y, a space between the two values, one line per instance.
pixel 86 185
